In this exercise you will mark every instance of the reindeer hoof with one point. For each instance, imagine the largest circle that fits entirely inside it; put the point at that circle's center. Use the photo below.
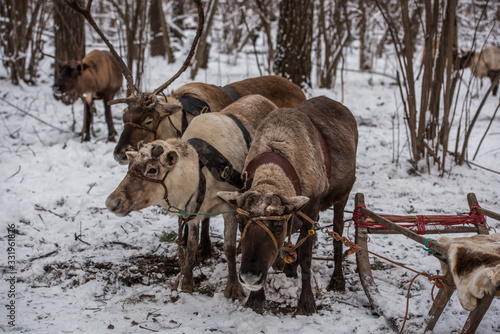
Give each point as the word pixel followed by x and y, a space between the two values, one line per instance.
pixel 306 308
pixel 187 286
pixel 234 291
pixel 256 301
pixel 336 284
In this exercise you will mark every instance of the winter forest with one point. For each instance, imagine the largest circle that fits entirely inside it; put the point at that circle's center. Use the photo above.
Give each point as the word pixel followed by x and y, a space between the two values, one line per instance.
pixel 420 78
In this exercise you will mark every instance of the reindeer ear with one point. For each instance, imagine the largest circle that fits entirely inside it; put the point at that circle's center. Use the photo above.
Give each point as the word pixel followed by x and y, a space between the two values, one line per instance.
pixel 294 204
pixel 230 197
pixel 131 155
pixel 166 109
pixel 141 144
pixel 170 159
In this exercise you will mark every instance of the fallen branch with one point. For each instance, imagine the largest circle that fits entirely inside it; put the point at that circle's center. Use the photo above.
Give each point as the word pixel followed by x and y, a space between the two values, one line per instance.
pixel 124 244
pixel 18 170
pixel 78 237
pixel 40 208
pixel 44 255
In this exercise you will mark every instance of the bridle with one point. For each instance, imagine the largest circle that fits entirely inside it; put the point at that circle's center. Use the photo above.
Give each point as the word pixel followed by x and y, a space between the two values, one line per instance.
pixel 199 200
pixel 258 220
pixel 287 246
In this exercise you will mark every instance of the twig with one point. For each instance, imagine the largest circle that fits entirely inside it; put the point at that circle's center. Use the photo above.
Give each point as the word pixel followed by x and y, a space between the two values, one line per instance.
pixel 28 114
pixel 18 170
pixel 149 329
pixel 40 208
pixel 78 237
pixel 322 258
pixel 44 255
pixel 124 229
pixel 371 72
pixel 479 166
pixel 38 136
pixel 124 244
pixel 92 185
pixel 487 129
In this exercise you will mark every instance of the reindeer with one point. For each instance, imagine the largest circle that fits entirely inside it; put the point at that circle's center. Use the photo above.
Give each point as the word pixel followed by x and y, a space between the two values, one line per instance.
pixel 187 173
pixel 173 113
pixel 486 63
pixel 96 76
pixel 301 158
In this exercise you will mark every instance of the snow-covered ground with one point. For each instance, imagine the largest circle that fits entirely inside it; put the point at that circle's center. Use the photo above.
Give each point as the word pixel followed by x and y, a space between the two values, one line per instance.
pixel 78 267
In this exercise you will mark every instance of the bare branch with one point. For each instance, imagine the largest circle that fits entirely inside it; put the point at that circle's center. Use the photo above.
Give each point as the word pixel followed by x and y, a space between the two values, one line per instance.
pixel 201 23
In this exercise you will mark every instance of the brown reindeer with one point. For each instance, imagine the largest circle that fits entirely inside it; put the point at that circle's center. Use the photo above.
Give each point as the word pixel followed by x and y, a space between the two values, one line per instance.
pixel 303 158
pixel 187 173
pixel 96 76
pixel 173 114
pixel 485 63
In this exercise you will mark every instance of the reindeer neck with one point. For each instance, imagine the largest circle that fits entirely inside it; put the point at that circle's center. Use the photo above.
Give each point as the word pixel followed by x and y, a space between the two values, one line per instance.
pixel 183 183
pixel 271 177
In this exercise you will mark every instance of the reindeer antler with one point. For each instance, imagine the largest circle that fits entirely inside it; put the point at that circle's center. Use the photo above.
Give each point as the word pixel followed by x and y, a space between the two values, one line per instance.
pixel 86 14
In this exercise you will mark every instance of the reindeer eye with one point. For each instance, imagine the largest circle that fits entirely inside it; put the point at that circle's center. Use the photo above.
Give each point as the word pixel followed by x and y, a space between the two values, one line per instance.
pixel 148 122
pixel 278 228
pixel 152 171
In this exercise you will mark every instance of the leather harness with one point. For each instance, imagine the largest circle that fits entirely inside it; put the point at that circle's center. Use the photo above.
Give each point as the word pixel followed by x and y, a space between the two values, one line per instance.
pixel 196 106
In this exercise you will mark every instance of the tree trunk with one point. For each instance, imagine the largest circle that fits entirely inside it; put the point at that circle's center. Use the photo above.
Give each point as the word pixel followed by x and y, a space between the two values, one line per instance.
pixel 203 49
pixel 294 41
pixel 157 45
pixel 13 28
pixel 69 35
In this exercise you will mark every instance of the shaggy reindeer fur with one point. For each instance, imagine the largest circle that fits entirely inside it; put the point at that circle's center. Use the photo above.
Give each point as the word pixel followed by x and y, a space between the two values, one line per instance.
pixel 475 266
pixel 181 161
pixel 292 134
pixel 279 90
pixel 97 76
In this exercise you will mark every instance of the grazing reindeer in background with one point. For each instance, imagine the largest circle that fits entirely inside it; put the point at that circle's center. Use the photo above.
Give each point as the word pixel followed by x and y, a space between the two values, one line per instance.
pixel 301 158
pixel 485 63
pixel 187 173
pixel 97 76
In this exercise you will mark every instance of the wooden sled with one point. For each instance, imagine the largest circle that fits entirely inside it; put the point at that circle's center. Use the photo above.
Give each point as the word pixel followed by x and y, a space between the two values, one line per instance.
pixel 367 221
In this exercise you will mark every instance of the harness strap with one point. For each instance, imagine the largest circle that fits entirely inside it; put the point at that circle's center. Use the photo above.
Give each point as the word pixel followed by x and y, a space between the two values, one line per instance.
pixel 216 163
pixel 192 105
pixel 231 92
pixel 244 131
pixel 272 158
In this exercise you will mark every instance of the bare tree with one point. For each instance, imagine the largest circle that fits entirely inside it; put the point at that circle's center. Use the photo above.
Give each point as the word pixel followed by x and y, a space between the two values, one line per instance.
pixel 203 49
pixel 22 23
pixel 134 18
pixel 69 35
pixel 294 41
pixel 333 35
pixel 160 40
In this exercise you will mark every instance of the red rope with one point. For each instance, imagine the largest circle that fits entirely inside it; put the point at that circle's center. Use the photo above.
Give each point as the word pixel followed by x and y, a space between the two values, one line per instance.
pixel 420 222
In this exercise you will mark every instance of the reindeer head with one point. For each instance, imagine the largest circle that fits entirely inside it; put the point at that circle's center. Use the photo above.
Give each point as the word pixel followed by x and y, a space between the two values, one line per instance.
pixel 144 110
pixel 265 221
pixel 145 183
pixel 465 59
pixel 64 88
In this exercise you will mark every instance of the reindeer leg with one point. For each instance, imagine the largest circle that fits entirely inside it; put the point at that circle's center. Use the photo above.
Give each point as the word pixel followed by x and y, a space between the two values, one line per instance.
pixel 87 120
pixel 109 121
pixel 256 301
pixel 234 290
pixel 205 248
pixel 337 282
pixel 307 304
pixel 187 265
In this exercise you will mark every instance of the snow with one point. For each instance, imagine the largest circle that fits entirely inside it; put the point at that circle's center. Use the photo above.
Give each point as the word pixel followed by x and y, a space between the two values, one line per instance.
pixel 54 187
